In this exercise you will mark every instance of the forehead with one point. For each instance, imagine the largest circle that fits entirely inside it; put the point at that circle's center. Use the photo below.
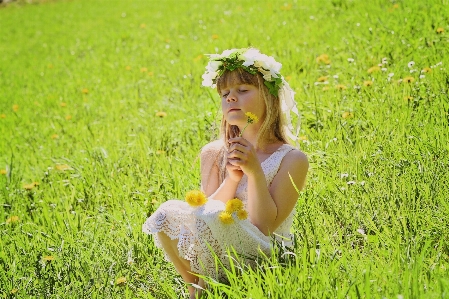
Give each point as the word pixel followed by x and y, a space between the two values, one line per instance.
pixel 236 77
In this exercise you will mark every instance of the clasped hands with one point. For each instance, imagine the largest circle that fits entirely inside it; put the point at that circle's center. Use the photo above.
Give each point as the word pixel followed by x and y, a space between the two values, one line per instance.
pixel 242 159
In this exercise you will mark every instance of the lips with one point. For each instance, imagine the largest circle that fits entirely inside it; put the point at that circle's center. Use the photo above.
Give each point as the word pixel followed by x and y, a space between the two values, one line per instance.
pixel 233 109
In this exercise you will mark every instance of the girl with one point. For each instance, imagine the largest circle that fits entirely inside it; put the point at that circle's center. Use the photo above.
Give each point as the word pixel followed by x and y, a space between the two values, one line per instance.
pixel 252 162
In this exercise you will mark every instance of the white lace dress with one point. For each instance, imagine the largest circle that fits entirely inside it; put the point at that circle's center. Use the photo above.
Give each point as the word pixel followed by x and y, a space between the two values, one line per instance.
pixel 199 230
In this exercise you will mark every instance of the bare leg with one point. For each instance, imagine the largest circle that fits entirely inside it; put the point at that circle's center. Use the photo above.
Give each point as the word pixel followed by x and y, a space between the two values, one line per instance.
pixel 182 265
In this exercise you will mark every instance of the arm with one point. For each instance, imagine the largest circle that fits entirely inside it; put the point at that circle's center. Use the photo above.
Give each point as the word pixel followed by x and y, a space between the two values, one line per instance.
pixel 269 206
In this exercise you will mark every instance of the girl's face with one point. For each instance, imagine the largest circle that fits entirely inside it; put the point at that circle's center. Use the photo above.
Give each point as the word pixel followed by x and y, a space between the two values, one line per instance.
pixel 239 98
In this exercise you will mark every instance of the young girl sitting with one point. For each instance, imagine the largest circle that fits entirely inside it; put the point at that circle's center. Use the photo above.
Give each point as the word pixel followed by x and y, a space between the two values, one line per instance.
pixel 250 176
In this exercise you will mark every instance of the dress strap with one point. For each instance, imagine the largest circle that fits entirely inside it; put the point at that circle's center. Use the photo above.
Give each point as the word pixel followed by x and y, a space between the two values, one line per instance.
pixel 271 165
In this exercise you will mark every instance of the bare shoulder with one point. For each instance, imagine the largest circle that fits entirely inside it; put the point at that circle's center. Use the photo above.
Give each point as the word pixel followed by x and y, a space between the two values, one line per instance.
pixel 295 165
pixel 297 158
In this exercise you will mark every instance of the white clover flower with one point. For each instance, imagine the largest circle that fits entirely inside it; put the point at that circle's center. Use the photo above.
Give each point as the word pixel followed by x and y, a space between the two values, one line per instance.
pixel 344 175
pixel 350 60
pixel 350 182
pixel 361 231
pixel 384 60
pixel 384 69
pixel 390 75
pixel 422 77
pixel 411 64
pixel 335 76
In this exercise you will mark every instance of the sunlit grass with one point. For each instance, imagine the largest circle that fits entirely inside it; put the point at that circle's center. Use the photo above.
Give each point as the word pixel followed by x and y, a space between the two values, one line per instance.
pixel 102 117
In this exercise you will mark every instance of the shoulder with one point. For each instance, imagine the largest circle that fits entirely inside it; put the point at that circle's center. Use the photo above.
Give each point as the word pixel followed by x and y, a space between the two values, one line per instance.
pixel 296 157
pixel 211 150
pixel 295 165
pixel 212 147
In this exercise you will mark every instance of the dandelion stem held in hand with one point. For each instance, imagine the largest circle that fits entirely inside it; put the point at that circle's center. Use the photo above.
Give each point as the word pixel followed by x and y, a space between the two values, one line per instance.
pixel 251 119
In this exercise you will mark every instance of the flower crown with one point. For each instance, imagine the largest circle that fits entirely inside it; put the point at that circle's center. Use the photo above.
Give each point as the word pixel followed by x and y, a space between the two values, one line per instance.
pixel 248 59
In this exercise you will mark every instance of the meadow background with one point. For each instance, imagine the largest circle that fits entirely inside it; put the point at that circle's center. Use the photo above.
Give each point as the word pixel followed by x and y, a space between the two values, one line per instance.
pixel 102 118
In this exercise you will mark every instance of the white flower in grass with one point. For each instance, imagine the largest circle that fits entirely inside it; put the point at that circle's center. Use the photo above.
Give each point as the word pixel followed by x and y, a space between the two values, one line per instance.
pixel 361 231
pixel 411 64
pixel 350 60
pixel 351 183
pixel 422 77
pixel 384 60
pixel 390 75
pixel 384 69
pixel 344 175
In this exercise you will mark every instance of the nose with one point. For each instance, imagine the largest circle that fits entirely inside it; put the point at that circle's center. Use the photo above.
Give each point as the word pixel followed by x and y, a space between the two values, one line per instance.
pixel 231 98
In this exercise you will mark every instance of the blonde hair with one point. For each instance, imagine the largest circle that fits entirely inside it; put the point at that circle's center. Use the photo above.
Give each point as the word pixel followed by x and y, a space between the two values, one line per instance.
pixel 273 120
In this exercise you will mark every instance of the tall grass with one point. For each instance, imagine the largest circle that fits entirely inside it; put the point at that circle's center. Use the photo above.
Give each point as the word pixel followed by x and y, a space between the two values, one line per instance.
pixel 81 85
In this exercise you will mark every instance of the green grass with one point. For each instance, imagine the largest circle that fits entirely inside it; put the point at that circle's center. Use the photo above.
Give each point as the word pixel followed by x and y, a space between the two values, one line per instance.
pixel 88 78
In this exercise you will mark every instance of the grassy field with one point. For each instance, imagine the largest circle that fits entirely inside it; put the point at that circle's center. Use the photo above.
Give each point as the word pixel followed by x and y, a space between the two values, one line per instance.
pixel 102 117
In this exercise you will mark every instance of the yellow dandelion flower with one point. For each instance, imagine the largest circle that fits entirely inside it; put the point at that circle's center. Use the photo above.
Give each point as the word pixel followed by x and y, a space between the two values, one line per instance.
pixel 408 79
pixel 440 30
pixel 143 25
pixel 151 74
pixel 48 258
pixel 288 78
pixel 54 136
pixel 242 214
pixel 367 83
pixel 252 118
pixel 324 58
pixel 63 167
pixel 30 186
pixel 63 104
pixel 302 137
pixel 120 281
pixel 12 219
pixel 214 36
pixel 196 198
pixel 13 291
pixel 347 114
pixel 161 114
pixel 85 90
pixel 322 79
pixel 234 205
pixel 68 117
pixel 427 70
pixel 3 171
pixel 408 98
pixel 128 68
pixel 2 115
pixel 15 107
pixel 226 218
pixel 341 87
pixel 325 88
pixel 143 70
pixel 373 69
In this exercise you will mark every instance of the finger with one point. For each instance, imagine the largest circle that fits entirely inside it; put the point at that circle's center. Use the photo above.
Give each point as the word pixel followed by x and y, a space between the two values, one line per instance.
pixel 238 147
pixel 240 140
pixel 235 162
